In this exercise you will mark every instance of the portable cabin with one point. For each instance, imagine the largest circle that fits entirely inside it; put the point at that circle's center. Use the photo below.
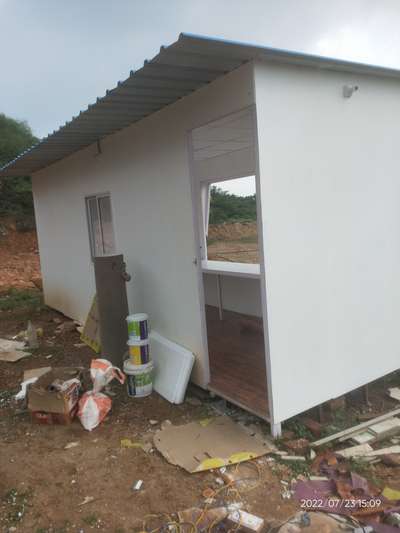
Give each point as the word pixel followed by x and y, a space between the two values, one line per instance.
pixel 131 174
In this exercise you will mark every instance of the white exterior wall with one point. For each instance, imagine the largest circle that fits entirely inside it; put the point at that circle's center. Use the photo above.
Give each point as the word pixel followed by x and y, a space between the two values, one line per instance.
pixel 330 196
pixel 146 169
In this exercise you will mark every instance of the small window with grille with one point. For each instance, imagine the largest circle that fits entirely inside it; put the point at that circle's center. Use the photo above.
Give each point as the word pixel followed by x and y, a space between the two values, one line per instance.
pixel 100 224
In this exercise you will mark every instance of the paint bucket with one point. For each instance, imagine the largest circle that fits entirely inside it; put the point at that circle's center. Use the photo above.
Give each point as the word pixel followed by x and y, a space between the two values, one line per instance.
pixel 139 352
pixel 139 379
pixel 138 326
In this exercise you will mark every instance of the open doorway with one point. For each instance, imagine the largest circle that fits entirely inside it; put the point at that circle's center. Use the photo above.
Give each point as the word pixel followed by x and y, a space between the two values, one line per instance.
pixel 225 199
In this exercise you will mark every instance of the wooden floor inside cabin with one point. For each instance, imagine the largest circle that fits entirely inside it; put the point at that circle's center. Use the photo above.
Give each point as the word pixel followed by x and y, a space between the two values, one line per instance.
pixel 237 359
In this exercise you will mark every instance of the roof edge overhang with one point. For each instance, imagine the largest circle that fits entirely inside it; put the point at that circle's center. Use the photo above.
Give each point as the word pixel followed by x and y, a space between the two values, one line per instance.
pixel 176 71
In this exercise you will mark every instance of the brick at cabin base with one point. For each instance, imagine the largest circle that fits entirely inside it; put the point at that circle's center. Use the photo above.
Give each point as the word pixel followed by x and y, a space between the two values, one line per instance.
pixel 337 403
pixel 313 426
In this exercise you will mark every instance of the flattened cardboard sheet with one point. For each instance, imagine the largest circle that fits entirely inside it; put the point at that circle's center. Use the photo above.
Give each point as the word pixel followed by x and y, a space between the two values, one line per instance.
pixel 14 356
pixel 12 351
pixel 36 372
pixel 197 447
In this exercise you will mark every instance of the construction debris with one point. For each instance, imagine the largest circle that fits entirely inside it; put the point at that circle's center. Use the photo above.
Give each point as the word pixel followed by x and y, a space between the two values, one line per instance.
pixel 86 500
pixel 384 451
pixel 378 431
pixel 391 494
pixel 12 351
pixel 293 458
pixel 349 432
pixel 137 485
pixel 298 446
pixel 71 445
pixel 355 451
pixel 53 398
pixel 244 521
pixel 394 393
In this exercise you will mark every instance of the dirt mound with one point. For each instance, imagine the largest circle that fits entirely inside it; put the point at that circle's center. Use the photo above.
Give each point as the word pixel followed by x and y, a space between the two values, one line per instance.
pixel 234 241
pixel 19 257
pixel 232 231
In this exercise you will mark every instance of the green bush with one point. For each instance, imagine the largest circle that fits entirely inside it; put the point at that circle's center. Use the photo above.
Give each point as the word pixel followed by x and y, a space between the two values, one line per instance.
pixel 225 207
pixel 15 193
pixel 20 299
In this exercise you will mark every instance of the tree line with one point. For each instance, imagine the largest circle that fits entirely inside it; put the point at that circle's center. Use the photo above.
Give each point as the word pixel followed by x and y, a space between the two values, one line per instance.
pixel 15 193
pixel 226 207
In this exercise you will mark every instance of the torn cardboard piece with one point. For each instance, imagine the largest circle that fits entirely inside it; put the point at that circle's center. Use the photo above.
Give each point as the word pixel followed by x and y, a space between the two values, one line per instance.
pixel 91 330
pixel 30 377
pixel 196 447
pixel 53 398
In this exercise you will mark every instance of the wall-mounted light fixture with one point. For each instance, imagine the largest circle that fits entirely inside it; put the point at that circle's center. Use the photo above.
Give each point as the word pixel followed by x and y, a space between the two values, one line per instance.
pixel 348 90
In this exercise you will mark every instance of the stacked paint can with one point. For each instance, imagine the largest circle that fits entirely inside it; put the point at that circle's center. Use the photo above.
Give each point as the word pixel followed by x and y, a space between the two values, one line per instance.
pixel 139 367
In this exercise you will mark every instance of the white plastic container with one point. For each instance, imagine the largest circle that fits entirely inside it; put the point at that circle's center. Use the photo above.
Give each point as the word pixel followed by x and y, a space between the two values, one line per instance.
pixel 139 379
pixel 173 365
pixel 138 326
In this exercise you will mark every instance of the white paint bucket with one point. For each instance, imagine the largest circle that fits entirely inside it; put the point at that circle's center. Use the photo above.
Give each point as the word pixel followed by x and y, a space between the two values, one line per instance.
pixel 138 326
pixel 139 379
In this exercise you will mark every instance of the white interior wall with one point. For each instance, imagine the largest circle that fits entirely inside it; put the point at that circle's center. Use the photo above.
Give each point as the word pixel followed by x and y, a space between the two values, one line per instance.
pixel 233 165
pixel 330 193
pixel 242 295
pixel 146 169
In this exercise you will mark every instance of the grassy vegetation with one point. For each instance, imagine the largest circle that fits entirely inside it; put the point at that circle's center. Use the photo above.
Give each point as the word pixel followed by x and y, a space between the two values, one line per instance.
pixel 91 520
pixel 299 429
pixel 21 299
pixel 16 503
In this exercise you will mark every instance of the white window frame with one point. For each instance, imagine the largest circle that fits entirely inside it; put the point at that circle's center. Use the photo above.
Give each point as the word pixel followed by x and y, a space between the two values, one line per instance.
pixel 92 240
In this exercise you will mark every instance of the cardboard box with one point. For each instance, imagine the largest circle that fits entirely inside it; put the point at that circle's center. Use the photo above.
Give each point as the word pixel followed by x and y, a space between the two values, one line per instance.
pixel 41 417
pixel 53 399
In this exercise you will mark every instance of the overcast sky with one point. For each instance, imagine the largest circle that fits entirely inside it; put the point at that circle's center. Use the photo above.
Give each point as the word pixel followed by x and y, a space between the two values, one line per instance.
pixel 57 56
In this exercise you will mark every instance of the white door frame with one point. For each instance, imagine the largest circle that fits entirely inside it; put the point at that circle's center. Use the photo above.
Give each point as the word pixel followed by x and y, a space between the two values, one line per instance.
pixel 197 221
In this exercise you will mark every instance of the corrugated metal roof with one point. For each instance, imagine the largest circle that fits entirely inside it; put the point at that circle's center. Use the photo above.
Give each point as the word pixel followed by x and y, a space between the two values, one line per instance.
pixel 176 71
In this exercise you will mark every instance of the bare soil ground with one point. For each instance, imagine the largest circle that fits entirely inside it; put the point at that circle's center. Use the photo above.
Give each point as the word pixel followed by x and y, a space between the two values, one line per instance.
pixel 46 482
pixel 42 484
pixel 19 257
pixel 236 241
